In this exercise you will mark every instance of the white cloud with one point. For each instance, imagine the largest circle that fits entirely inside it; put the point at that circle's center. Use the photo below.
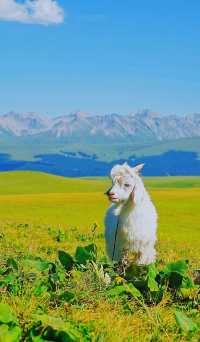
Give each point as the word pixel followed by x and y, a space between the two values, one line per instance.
pixel 44 12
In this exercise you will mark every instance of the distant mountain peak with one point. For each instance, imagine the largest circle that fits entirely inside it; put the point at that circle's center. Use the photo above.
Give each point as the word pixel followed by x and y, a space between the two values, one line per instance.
pixel 26 123
pixel 81 126
pixel 146 113
pixel 80 114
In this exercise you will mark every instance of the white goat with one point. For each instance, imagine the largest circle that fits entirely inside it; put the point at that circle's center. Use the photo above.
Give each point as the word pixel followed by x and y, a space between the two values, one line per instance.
pixel 131 220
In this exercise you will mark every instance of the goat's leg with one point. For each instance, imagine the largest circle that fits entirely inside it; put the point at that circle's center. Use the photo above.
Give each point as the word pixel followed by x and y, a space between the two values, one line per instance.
pixel 146 255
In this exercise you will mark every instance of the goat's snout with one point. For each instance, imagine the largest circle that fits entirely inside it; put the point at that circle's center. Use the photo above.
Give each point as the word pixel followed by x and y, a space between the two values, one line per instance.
pixel 108 192
pixel 111 195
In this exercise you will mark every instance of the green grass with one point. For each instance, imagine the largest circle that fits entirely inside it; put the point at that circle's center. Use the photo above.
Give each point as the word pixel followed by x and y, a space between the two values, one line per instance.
pixel 41 214
pixel 176 182
pixel 26 182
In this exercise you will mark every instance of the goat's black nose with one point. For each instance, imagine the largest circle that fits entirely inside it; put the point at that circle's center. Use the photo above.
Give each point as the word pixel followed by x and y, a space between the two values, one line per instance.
pixel 109 193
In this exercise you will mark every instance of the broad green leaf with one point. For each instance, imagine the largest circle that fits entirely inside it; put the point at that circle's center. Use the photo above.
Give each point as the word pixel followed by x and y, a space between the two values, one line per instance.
pixel 6 315
pixel 177 275
pixel 85 254
pixel 180 266
pixel 46 320
pixel 40 289
pixel 116 291
pixel 67 296
pixel 72 335
pixel 185 323
pixel 175 280
pixel 10 334
pixel 66 260
pixel 37 338
pixel 3 331
pixel 187 283
pixel 151 278
pixel 69 336
pixel 132 290
pixel 34 335
pixel 56 329
pixel 124 289
pixel 36 263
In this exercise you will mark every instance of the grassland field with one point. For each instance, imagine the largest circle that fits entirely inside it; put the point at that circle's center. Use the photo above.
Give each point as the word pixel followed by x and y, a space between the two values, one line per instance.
pixel 34 207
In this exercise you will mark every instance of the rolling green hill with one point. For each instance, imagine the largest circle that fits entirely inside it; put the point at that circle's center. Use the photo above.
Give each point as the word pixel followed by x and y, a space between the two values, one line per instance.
pixel 27 182
pixel 184 144
pixel 26 149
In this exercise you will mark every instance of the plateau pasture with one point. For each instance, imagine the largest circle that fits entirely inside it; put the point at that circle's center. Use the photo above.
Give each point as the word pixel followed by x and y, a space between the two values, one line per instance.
pixel 44 218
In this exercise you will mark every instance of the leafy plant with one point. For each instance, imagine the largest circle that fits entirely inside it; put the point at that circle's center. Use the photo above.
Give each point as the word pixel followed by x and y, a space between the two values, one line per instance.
pixel 66 260
pixel 82 279
pixel 86 254
pixel 48 328
pixel 176 275
pixel 83 255
pixel 125 289
pixel 185 323
pixel 9 328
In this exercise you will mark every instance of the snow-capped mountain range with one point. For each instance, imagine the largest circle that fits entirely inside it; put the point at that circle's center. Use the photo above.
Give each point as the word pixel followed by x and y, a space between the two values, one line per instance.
pixel 79 126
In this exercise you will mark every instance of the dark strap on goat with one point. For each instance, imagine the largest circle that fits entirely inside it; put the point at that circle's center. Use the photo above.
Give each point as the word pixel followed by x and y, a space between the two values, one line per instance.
pixel 115 239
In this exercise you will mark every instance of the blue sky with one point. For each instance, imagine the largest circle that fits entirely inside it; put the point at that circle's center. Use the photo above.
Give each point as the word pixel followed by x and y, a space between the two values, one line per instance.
pixel 106 56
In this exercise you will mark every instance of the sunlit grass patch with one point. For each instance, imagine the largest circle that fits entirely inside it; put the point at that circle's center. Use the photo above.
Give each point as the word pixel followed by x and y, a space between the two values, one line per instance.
pixel 42 214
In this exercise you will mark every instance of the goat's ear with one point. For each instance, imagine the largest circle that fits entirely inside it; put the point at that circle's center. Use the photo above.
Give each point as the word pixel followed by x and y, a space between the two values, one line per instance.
pixel 126 167
pixel 138 168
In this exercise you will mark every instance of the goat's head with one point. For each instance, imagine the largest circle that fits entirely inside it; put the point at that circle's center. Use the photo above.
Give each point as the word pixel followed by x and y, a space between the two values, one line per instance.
pixel 125 183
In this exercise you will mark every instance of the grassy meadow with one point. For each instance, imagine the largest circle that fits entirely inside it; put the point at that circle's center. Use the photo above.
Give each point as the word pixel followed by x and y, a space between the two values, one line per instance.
pixel 41 214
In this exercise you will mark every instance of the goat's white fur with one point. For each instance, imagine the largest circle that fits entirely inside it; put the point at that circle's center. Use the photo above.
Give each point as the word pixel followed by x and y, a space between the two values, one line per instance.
pixel 133 215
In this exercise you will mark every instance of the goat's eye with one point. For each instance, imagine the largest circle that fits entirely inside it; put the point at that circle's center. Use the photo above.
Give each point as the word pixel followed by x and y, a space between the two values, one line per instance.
pixel 126 185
